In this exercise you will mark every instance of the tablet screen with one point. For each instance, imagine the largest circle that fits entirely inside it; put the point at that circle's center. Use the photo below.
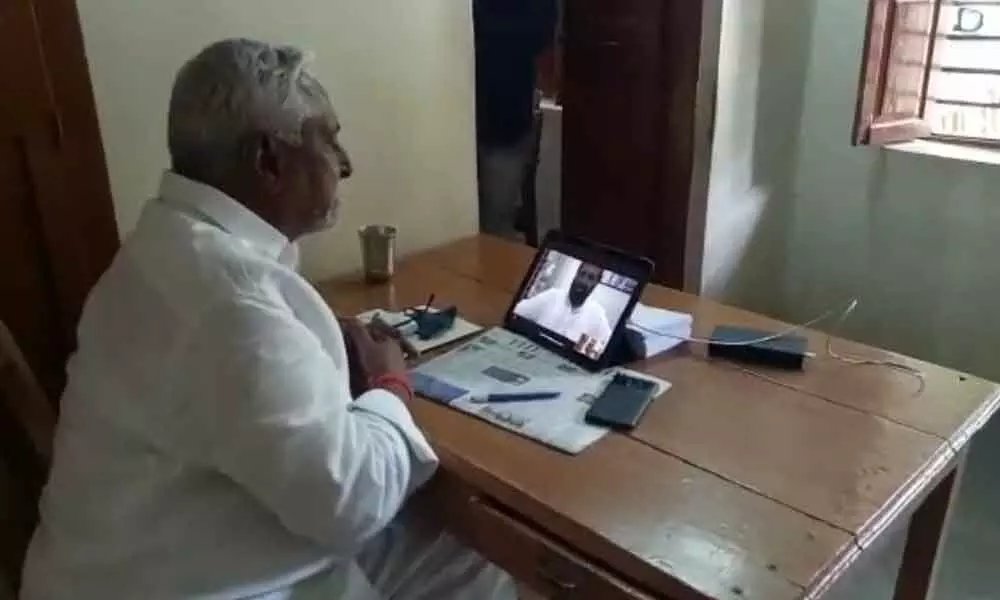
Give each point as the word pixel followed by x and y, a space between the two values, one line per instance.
pixel 578 304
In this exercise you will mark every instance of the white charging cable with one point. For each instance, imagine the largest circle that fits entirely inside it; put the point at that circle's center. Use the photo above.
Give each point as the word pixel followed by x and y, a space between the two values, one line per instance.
pixel 760 340
pixel 842 316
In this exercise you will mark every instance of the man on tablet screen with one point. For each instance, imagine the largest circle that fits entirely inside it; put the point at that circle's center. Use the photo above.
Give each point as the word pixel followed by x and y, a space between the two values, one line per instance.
pixel 572 313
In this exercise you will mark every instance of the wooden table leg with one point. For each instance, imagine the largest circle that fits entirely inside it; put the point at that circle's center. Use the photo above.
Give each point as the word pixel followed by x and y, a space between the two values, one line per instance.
pixel 925 539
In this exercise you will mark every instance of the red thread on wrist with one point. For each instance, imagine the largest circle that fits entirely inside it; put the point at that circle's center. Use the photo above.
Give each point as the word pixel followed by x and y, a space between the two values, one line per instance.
pixel 396 382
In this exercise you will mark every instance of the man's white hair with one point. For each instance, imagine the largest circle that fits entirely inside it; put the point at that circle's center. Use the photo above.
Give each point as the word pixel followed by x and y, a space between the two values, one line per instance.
pixel 235 88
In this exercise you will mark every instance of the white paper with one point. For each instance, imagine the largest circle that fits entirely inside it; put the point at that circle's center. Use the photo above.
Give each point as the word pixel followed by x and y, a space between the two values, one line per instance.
pixel 503 362
pixel 661 329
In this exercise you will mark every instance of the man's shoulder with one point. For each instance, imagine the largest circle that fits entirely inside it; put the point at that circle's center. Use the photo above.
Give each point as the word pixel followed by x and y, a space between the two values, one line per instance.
pixel 173 275
pixel 542 300
pixel 551 293
pixel 595 309
pixel 197 263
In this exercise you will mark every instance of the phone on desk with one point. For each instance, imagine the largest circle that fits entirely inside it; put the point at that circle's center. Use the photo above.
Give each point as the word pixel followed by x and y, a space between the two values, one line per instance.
pixel 622 403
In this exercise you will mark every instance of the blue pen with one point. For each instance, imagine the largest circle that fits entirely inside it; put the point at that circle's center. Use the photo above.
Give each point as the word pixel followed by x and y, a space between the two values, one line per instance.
pixel 525 397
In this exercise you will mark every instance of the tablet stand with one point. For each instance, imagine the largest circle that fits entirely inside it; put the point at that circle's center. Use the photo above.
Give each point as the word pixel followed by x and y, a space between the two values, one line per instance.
pixel 629 349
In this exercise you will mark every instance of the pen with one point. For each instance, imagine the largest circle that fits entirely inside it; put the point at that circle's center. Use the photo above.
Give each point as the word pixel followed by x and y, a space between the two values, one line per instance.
pixel 525 397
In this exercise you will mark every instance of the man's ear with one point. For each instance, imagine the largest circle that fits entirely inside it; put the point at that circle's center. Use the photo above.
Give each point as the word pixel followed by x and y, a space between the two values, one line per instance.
pixel 266 160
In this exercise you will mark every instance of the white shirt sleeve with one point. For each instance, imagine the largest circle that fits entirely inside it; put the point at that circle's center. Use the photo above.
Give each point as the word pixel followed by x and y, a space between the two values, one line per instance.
pixel 279 421
pixel 534 308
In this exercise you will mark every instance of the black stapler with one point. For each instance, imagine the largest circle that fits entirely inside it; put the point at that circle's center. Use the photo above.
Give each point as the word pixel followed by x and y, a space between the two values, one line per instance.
pixel 432 324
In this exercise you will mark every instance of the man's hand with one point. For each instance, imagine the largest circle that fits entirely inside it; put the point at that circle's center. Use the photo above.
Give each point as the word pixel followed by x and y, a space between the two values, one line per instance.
pixel 370 357
pixel 359 383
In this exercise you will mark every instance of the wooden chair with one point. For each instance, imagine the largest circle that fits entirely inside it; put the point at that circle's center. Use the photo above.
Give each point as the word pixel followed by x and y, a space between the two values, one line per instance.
pixel 27 422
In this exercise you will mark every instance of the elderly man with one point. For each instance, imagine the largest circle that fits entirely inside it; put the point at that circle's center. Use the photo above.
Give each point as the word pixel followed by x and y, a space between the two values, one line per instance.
pixel 209 444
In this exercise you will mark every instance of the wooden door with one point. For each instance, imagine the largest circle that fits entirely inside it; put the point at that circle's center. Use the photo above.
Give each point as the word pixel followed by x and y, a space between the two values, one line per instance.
pixel 636 135
pixel 57 229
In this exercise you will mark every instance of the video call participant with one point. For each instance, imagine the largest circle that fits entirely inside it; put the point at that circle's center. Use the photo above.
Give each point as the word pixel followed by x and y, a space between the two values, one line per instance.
pixel 572 313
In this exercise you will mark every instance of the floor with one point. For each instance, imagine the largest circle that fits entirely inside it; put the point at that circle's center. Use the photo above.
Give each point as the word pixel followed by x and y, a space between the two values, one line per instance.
pixel 970 569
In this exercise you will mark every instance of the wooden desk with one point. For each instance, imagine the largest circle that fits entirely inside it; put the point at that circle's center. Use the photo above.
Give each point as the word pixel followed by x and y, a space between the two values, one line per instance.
pixel 738 484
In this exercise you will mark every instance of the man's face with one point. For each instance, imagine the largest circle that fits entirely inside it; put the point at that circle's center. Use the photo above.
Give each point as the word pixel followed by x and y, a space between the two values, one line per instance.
pixel 587 278
pixel 325 164
pixel 306 197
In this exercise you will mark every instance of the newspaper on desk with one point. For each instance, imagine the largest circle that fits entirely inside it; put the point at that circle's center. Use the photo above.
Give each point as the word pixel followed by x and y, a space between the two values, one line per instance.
pixel 499 361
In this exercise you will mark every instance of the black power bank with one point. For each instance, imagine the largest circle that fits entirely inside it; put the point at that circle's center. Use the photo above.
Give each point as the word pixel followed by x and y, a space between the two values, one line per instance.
pixel 737 343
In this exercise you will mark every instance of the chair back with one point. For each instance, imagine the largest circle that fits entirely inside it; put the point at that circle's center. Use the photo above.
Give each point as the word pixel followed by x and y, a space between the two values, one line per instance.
pixel 27 423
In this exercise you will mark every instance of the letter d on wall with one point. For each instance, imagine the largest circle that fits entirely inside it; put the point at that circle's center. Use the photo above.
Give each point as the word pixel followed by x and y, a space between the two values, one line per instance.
pixel 970 20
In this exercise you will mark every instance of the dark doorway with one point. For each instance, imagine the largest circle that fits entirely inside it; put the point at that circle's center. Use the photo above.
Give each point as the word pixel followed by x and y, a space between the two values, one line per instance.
pixel 621 142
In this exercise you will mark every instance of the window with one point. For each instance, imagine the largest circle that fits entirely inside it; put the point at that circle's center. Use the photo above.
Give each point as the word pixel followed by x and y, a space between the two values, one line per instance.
pixel 931 69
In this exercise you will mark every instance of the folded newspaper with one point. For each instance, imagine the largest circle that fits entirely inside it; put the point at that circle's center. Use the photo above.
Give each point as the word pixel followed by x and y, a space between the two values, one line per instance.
pixel 499 361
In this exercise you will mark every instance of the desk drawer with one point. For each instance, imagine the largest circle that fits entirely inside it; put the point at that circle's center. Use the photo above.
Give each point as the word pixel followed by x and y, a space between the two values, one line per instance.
pixel 537 561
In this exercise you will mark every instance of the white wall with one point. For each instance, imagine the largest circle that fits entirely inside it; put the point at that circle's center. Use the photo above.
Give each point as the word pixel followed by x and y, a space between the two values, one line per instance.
pixel 400 73
pixel 760 90
pixel 915 237
pixel 799 219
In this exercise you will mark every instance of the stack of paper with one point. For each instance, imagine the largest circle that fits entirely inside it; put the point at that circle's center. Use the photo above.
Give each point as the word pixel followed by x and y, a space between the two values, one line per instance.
pixel 661 329
pixel 460 330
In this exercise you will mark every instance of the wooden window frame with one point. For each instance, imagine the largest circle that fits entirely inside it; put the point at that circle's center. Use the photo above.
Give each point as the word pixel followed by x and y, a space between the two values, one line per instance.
pixel 872 126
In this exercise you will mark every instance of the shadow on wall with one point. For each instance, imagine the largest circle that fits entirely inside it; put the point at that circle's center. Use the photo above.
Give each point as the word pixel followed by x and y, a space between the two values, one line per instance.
pixel 762 73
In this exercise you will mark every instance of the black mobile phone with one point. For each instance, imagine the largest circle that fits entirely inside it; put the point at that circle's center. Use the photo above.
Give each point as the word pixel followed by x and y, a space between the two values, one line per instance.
pixel 622 403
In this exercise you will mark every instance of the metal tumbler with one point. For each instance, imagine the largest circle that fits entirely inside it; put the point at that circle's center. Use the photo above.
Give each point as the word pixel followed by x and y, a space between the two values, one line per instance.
pixel 378 252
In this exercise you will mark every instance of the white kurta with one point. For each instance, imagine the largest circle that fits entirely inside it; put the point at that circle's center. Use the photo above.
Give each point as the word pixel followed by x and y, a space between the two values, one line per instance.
pixel 551 309
pixel 208 445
